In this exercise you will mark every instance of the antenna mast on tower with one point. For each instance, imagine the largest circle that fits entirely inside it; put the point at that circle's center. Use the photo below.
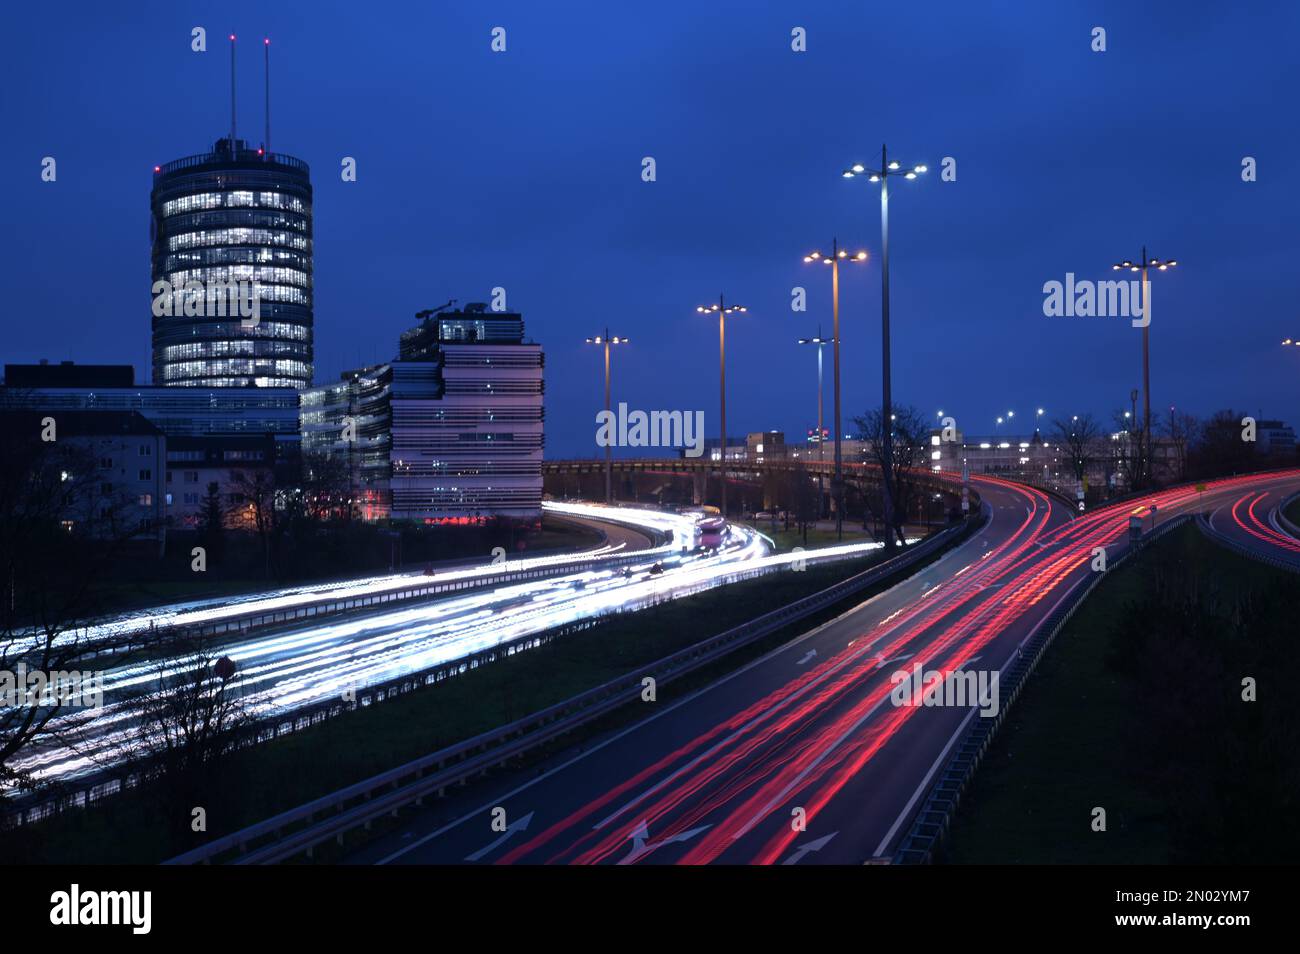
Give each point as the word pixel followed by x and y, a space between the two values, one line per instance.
pixel 232 92
pixel 266 47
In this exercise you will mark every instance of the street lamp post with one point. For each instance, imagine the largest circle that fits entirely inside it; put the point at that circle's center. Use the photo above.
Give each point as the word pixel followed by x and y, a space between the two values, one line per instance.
pixel 607 341
pixel 820 342
pixel 887 168
pixel 833 260
pixel 723 310
pixel 1143 266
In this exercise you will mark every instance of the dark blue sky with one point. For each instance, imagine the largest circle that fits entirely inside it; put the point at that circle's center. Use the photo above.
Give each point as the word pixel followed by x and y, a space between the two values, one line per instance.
pixel 522 170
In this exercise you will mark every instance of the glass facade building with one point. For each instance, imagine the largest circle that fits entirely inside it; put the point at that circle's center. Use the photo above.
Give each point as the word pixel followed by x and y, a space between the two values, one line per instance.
pixel 225 224
pixel 450 433
pixel 351 422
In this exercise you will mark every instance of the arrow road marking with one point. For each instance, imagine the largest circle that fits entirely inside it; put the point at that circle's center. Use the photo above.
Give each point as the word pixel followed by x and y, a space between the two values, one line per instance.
pixel 882 662
pixel 807 657
pixel 518 826
pixel 805 848
pixel 642 846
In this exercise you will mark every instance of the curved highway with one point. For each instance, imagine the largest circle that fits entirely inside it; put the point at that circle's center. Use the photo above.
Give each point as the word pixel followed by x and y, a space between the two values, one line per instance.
pixel 806 755
pixel 312 661
pixel 1251 519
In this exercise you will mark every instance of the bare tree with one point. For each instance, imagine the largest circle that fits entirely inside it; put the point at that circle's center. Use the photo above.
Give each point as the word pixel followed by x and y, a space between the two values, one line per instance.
pixel 1182 430
pixel 1220 448
pixel 1079 438
pixel 52 555
pixel 189 719
pixel 910 444
pixel 326 488
pixel 805 500
pixel 253 508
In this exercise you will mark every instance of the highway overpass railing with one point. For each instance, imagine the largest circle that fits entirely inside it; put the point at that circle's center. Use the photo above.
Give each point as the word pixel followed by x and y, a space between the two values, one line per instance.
pixel 329 818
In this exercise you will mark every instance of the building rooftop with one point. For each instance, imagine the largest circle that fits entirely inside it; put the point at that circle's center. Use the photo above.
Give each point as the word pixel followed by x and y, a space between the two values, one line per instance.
pixel 67 374
pixel 80 423
pixel 222 153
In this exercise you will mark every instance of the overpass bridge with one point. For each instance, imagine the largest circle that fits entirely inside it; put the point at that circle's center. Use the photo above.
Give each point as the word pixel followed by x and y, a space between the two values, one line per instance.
pixel 755 484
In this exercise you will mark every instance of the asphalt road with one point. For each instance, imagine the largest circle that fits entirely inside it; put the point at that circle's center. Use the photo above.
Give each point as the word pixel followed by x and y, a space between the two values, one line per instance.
pixel 802 756
pixel 1250 518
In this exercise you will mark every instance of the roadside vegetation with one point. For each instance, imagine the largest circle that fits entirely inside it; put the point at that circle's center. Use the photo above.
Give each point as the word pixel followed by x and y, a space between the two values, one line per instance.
pixel 1138 708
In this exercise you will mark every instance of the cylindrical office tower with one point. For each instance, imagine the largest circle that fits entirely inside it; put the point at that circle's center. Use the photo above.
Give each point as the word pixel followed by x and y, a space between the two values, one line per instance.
pixel 232 273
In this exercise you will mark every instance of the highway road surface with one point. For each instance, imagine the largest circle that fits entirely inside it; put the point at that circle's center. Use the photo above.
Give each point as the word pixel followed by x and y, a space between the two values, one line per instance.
pixel 1251 519
pixel 627 535
pixel 296 665
pixel 809 754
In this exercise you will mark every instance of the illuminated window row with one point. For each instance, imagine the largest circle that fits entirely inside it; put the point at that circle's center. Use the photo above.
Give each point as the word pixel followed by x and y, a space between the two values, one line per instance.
pixel 233 366
pixel 198 221
pixel 412 445
pixel 233 200
pixel 419 468
pixel 455 499
pixel 286 294
pixel 462 416
pixel 260 382
pixel 223 349
pixel 454 360
pixel 262 274
pixel 228 329
pixel 481 386
pixel 213 237
pixel 236 256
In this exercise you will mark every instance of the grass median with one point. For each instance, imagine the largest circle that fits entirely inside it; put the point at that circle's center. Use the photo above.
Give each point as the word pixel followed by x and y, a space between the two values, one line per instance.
pixel 1138 708
pixel 270 778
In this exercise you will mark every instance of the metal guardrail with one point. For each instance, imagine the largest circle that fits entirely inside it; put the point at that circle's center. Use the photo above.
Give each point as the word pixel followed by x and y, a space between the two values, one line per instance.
pixel 933 819
pixel 333 606
pixel 431 775
pixel 1206 528
pixel 96 787
pixel 1287 525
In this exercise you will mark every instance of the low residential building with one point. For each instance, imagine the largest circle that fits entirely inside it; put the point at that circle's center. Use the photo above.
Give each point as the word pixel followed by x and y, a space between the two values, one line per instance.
pixel 232 464
pixel 112 462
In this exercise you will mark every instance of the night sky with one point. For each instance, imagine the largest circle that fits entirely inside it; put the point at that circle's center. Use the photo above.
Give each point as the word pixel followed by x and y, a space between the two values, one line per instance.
pixel 523 169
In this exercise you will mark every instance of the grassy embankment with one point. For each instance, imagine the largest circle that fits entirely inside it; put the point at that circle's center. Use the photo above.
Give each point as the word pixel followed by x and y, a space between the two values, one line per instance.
pixel 1138 708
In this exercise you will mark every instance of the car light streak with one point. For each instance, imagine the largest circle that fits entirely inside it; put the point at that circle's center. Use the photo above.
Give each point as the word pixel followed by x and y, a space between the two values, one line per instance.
pixel 318 660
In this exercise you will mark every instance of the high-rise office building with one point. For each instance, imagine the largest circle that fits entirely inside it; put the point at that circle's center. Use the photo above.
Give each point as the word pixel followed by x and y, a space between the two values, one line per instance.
pixel 449 433
pixel 232 228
